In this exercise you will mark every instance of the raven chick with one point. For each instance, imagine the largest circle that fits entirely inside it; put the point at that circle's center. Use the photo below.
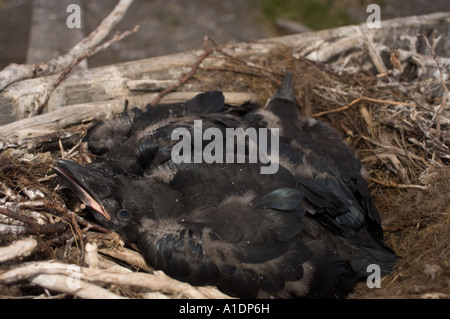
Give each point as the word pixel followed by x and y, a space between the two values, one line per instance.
pixel 310 229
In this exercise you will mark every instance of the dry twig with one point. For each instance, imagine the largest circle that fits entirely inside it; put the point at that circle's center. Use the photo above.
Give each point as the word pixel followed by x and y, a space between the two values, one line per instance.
pixel 32 226
pixel 206 52
pixel 393 184
pixel 42 99
pixel 362 98
pixel 19 248
pixel 441 80
pixel 15 72
pixel 373 52
pixel 82 281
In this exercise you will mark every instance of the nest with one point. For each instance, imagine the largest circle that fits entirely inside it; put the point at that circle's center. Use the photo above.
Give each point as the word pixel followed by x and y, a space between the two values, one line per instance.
pixel 397 121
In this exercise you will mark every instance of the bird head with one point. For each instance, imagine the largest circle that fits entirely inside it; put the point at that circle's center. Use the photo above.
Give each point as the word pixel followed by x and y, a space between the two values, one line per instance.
pixel 118 202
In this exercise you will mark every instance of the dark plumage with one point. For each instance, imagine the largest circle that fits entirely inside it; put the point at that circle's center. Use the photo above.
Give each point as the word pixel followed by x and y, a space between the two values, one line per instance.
pixel 308 230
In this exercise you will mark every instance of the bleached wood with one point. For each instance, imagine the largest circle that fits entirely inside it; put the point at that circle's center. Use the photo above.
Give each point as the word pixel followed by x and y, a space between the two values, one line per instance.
pixel 73 114
pixel 82 281
pixel 111 82
pixel 16 72
pixel 19 248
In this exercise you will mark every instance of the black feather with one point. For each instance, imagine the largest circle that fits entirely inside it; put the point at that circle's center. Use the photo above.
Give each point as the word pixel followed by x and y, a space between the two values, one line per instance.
pixel 281 199
pixel 308 230
pixel 209 102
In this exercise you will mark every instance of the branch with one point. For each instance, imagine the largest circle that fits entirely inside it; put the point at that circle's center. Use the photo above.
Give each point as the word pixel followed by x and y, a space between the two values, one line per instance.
pixel 16 72
pixel 441 79
pixel 32 226
pixel 42 99
pixel 206 52
pixel 373 53
pixel 362 98
pixel 24 132
pixel 79 281
pixel 19 248
pixel 395 185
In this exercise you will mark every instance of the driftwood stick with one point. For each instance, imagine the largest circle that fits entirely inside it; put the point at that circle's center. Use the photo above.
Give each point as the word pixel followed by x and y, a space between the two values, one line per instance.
pixel 19 248
pixel 395 185
pixel 79 288
pixel 74 114
pixel 15 72
pixel 32 226
pixel 91 257
pixel 373 53
pixel 41 101
pixel 206 52
pixel 12 229
pixel 80 281
pixel 446 94
pixel 129 256
pixel 110 82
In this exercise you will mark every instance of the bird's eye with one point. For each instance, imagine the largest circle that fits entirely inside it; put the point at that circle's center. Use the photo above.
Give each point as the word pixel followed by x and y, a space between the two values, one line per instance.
pixel 124 214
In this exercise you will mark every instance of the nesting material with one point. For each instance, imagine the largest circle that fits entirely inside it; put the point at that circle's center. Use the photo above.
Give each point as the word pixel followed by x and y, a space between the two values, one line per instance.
pixel 395 117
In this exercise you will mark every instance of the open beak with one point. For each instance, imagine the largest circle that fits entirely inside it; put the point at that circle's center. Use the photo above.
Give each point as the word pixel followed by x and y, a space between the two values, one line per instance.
pixel 67 171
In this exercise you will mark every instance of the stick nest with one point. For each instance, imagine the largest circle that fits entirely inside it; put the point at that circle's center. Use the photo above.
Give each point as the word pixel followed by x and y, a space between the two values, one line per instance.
pixel 398 122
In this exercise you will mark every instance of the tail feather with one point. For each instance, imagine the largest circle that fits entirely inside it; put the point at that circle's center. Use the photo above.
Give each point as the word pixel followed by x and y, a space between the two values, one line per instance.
pixel 209 102
pixel 286 90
